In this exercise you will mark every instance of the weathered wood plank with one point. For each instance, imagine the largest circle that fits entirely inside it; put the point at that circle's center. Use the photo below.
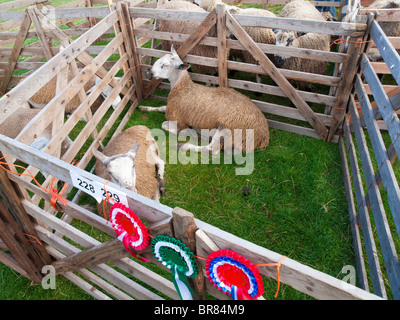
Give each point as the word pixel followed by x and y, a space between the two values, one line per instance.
pixel 355 230
pixel 335 28
pixel 105 252
pixel 369 241
pixel 386 49
pixel 382 226
pixel 222 48
pixel 60 13
pixel 386 171
pixel 384 104
pixel 184 230
pixel 16 50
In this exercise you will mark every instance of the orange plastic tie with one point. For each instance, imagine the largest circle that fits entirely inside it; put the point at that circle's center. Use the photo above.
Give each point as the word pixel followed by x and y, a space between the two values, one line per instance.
pixel 36 239
pixel 278 268
pixel 53 192
pixel 57 196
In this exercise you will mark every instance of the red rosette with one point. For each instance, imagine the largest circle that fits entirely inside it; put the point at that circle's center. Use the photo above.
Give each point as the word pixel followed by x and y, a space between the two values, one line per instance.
pixel 129 228
pixel 234 274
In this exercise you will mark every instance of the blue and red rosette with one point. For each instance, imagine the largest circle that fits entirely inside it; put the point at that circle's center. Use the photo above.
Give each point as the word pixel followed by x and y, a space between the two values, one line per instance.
pixel 233 274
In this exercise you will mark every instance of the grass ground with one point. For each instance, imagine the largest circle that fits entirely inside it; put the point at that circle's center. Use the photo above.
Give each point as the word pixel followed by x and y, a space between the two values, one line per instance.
pixel 296 206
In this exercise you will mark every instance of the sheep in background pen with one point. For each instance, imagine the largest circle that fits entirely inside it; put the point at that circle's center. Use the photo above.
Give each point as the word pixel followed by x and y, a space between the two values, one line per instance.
pixel 390 28
pixel 299 9
pixel 219 109
pixel 258 34
pixel 184 27
pixel 132 160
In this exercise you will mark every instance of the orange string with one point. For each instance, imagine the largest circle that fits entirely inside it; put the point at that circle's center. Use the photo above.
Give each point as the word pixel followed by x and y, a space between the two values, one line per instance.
pixel 53 192
pixel 36 239
pixel 340 40
pixel 278 268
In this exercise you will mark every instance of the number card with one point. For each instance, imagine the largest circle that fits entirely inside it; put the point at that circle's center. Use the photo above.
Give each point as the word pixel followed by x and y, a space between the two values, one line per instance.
pixel 97 190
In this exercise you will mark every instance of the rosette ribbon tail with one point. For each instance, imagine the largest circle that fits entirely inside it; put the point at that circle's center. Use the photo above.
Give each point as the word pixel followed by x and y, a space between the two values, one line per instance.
pixel 240 293
pixel 125 241
pixel 181 285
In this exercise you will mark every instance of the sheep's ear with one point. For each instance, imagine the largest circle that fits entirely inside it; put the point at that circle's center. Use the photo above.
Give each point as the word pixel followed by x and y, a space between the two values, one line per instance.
pixel 176 60
pixel 133 151
pixel 99 156
pixel 184 66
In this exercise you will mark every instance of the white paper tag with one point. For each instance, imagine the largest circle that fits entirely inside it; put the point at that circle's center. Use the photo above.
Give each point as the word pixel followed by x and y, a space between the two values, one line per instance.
pixel 97 190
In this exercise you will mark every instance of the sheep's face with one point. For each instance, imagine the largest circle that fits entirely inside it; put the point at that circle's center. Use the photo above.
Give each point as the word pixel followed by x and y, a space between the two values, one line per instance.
pixel 121 167
pixel 164 66
pixel 283 39
pixel 122 172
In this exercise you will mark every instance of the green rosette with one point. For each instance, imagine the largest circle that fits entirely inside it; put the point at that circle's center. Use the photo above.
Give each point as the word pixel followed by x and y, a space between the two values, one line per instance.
pixel 177 257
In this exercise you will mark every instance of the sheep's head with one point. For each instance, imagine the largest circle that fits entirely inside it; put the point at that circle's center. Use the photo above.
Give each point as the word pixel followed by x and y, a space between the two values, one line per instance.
pixel 121 167
pixel 284 38
pixel 164 67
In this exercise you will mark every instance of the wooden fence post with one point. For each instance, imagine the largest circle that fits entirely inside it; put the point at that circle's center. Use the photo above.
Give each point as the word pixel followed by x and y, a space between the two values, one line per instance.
pixel 185 230
pixel 18 233
pixel 222 52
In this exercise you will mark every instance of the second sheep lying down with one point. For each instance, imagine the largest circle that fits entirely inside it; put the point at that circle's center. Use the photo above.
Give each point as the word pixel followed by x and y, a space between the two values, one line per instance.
pixel 132 160
pixel 223 110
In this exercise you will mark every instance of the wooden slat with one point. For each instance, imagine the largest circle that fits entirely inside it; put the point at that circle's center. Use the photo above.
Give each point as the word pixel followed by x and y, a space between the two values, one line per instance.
pixel 369 241
pixel 382 226
pixel 335 28
pixel 385 106
pixel 184 230
pixel 386 171
pixel 60 13
pixel 16 50
pixel 386 49
pixel 42 38
pixel 105 252
pixel 222 48
pixel 355 230
pixel 276 75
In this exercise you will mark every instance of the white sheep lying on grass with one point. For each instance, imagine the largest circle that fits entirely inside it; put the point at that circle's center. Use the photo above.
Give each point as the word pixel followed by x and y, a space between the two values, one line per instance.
pixel 196 106
pixel 132 160
pixel 48 92
pixel 17 121
pixel 304 10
